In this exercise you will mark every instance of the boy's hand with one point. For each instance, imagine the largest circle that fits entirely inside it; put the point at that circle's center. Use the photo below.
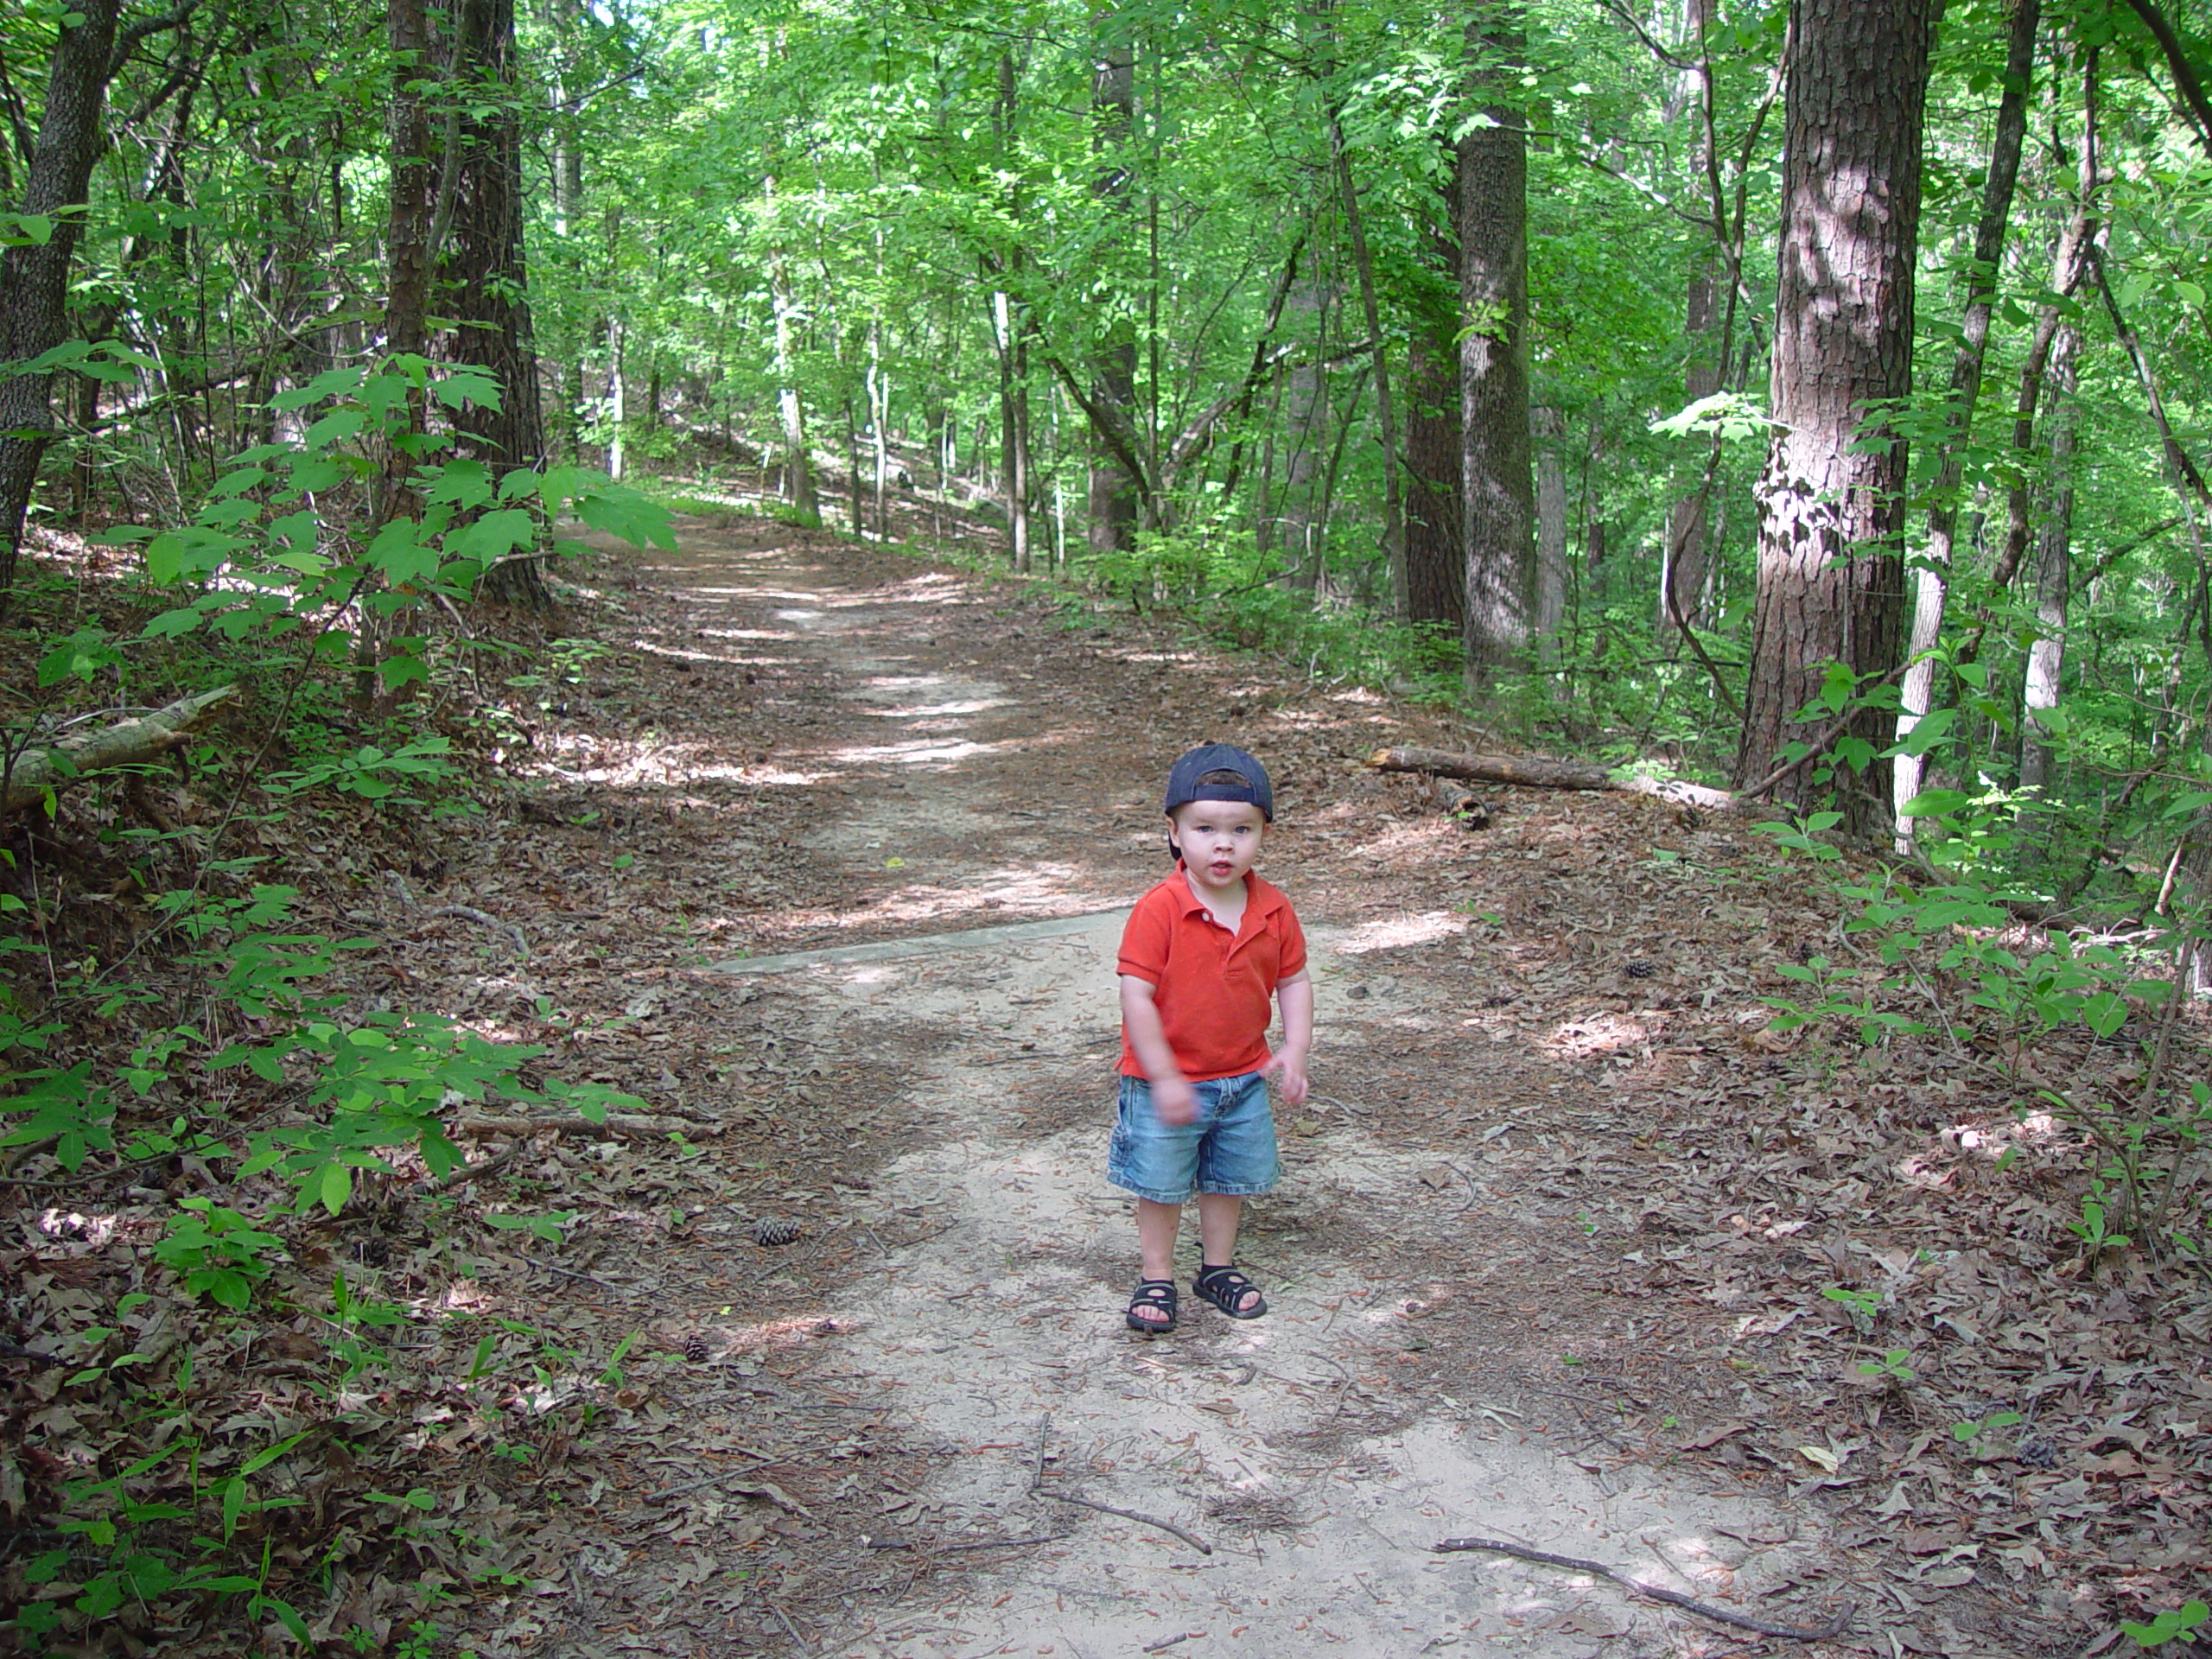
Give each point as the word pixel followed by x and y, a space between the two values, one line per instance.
pixel 1289 1071
pixel 1174 1101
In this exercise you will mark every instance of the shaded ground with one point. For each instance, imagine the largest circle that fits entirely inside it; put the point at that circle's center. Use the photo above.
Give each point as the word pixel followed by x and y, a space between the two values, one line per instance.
pixel 1551 1263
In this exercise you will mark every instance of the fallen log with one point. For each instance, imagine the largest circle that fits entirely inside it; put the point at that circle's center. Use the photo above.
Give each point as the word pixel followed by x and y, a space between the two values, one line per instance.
pixel 1551 774
pixel 129 742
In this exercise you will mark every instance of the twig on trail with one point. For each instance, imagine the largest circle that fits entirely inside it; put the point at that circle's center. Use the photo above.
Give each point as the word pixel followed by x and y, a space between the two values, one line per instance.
pixel 973 1544
pixel 1652 1591
pixel 469 1173
pixel 793 1628
pixel 485 918
pixel 1162 1646
pixel 10 1350
pixel 1036 1468
pixel 667 1492
pixel 570 1273
pixel 1200 1545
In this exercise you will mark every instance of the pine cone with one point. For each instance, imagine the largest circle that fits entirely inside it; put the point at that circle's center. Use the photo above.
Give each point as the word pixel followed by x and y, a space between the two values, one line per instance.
pixel 1642 969
pixel 775 1231
pixel 695 1349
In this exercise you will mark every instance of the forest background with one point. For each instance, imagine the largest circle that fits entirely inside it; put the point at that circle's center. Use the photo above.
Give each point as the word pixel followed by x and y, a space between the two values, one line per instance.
pixel 1803 396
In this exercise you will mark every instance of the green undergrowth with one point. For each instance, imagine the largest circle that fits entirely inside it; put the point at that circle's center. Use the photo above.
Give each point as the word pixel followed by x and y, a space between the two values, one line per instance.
pixel 201 1092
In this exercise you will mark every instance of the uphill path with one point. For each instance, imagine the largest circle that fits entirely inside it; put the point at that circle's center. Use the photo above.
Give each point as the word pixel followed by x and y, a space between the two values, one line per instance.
pixel 833 848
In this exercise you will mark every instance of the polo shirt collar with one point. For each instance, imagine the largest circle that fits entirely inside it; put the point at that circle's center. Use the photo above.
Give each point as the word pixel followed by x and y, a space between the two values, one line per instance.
pixel 1261 898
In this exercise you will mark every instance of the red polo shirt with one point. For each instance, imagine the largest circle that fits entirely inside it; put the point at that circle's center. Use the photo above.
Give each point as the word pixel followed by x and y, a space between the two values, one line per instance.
pixel 1215 989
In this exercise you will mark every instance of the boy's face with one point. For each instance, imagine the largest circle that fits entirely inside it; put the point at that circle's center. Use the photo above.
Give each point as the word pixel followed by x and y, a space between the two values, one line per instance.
pixel 1218 840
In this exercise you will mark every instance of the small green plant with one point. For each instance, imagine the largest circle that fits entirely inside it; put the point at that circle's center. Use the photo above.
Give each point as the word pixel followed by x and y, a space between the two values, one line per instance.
pixel 2093 1229
pixel 1861 1306
pixel 217 1252
pixel 1893 1366
pixel 2175 1624
pixel 1974 1430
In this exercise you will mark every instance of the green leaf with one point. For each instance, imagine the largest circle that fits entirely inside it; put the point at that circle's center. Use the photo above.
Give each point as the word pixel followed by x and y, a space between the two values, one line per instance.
pixel 336 1188
pixel 334 428
pixel 331 383
pixel 1936 803
pixel 495 535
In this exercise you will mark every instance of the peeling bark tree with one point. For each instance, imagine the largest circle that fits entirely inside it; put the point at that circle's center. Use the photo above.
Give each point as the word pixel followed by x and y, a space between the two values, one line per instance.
pixel 1932 582
pixel 1497 501
pixel 1830 569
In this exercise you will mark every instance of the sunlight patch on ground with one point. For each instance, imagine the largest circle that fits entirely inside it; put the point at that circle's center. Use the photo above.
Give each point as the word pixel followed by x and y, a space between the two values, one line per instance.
pixel 676 653
pixel 1396 932
pixel 921 752
pixel 749 633
pixel 1598 1033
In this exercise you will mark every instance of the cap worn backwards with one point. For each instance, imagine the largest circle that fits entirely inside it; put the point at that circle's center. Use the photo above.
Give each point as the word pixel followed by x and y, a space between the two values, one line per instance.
pixel 1187 781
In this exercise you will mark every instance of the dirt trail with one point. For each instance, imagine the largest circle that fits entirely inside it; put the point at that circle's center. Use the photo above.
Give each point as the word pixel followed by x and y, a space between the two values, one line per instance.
pixel 1319 1451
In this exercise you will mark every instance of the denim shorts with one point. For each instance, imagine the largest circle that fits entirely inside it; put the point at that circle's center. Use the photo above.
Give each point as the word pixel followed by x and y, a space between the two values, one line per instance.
pixel 1229 1147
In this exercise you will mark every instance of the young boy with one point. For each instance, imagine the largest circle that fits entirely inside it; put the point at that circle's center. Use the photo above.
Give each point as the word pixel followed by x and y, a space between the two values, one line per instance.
pixel 1205 954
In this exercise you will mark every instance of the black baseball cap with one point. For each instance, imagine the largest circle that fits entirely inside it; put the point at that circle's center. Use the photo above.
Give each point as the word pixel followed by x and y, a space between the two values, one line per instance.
pixel 1184 787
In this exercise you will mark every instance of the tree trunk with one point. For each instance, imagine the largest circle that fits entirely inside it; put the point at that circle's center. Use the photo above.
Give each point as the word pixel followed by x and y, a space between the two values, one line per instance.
pixel 1394 524
pixel 2054 576
pixel 1298 522
pixel 1551 527
pixel 34 276
pixel 1931 581
pixel 1436 559
pixel 1684 556
pixel 806 505
pixel 484 280
pixel 1831 574
pixel 1497 505
pixel 1114 366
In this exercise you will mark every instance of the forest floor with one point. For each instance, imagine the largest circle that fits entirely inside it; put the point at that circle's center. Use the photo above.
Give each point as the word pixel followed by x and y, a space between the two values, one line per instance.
pixel 824 852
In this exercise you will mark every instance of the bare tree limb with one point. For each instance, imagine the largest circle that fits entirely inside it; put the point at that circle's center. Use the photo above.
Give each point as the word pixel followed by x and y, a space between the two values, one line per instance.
pixel 34 772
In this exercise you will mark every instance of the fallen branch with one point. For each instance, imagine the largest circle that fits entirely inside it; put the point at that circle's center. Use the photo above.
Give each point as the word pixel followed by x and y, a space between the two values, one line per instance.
pixel 628 1123
pixel 1130 1514
pixel 35 772
pixel 1652 1591
pixel 485 918
pixel 1549 774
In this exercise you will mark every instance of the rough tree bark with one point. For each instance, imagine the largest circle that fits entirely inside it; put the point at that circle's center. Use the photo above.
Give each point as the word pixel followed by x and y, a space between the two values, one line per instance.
pixel 483 281
pixel 1436 559
pixel 1931 581
pixel 1830 569
pixel 34 276
pixel 1497 503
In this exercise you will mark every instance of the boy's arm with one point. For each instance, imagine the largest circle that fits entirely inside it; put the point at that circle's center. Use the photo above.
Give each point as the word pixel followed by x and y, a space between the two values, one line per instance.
pixel 1172 1097
pixel 1296 995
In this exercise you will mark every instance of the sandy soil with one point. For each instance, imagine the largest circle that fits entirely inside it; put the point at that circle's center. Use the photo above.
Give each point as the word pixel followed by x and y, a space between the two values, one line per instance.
pixel 990 768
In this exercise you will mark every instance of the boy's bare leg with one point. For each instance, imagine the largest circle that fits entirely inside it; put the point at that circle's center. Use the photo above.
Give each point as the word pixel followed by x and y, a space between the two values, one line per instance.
pixel 1218 1214
pixel 1156 1228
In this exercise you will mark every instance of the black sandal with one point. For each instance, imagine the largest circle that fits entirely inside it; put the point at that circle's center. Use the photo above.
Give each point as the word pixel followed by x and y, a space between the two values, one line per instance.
pixel 1153 1293
pixel 1226 1289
